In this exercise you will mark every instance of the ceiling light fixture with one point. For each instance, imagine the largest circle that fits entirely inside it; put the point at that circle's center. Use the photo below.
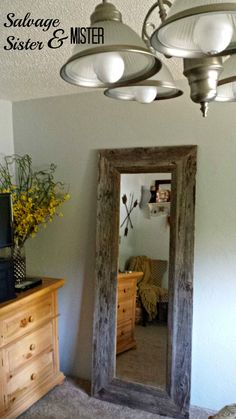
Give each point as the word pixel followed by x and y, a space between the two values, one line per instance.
pixel 226 91
pixel 203 76
pixel 198 31
pixel 123 57
pixel 161 86
pixel 196 28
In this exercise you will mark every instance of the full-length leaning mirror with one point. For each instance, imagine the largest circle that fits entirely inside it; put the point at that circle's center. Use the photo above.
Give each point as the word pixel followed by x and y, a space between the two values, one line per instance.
pixel 143 280
pixel 144 274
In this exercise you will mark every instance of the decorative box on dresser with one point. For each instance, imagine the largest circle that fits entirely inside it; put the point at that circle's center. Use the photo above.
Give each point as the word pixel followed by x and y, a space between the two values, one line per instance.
pixel 126 304
pixel 29 357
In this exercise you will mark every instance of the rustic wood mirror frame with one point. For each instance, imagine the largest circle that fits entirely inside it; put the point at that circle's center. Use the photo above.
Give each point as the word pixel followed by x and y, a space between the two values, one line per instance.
pixel 181 163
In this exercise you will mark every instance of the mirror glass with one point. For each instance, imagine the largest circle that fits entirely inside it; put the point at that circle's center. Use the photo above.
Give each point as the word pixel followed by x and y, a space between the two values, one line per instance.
pixel 142 289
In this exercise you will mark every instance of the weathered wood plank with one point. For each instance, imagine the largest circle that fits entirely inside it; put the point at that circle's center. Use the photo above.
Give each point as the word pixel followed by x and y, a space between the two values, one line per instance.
pixel 106 273
pixel 181 162
pixel 133 396
pixel 183 280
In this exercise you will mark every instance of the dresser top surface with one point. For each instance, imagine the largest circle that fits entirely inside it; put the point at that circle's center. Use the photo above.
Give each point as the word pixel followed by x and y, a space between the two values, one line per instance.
pixel 48 285
pixel 129 274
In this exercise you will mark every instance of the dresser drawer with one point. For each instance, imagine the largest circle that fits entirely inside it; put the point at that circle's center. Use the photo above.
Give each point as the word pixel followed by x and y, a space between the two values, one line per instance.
pixel 29 358
pixel 2 401
pixel 125 332
pixel 26 319
pixel 126 289
pixel 20 384
pixel 124 310
pixel 29 347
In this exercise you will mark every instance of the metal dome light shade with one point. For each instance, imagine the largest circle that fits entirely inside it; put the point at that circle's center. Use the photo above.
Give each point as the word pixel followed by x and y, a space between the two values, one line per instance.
pixel 139 62
pixel 197 28
pixel 163 82
pixel 226 90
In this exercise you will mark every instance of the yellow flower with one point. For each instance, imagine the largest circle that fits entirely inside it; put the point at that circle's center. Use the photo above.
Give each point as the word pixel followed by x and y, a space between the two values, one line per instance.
pixel 36 205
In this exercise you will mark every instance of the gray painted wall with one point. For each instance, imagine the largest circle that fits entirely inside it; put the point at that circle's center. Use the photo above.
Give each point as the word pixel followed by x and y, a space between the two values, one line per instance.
pixel 6 129
pixel 68 131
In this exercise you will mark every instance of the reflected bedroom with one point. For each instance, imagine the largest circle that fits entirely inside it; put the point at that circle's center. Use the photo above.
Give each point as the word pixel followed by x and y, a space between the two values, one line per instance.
pixel 142 290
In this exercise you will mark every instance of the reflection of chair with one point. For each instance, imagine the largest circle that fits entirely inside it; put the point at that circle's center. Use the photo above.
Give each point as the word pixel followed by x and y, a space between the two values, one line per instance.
pixel 158 269
pixel 153 297
pixel 227 412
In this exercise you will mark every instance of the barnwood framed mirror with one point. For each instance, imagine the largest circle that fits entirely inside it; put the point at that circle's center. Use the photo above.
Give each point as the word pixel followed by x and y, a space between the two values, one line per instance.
pixel 180 162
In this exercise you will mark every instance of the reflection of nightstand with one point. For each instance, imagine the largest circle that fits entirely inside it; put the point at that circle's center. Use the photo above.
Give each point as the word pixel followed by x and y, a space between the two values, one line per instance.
pixel 126 304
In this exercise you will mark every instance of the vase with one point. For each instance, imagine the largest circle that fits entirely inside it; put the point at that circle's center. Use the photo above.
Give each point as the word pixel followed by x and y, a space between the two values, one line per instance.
pixel 19 263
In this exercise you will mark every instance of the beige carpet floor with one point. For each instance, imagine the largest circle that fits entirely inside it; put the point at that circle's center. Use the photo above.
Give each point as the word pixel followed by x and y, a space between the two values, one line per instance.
pixel 71 401
pixel 147 363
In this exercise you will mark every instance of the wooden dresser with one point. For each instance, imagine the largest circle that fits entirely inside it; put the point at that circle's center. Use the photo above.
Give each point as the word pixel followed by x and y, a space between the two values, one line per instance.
pixel 29 360
pixel 126 304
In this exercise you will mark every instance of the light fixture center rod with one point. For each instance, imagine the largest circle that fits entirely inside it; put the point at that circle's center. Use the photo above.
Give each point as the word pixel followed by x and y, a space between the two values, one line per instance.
pixel 204 109
pixel 146 23
pixel 162 13
pixel 162 10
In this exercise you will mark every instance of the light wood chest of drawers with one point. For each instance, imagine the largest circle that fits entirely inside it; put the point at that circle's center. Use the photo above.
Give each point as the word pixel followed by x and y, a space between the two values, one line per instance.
pixel 29 359
pixel 126 304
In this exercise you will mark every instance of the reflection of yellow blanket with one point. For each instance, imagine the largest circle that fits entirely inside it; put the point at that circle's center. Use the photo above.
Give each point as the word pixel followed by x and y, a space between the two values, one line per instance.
pixel 149 293
pixel 141 264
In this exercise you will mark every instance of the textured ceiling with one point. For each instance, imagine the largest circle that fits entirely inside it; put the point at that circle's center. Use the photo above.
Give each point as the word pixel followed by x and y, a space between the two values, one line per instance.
pixel 35 74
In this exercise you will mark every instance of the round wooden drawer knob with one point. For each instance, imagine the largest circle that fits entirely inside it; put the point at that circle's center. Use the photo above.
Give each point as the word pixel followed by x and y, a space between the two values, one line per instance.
pixel 33 377
pixel 124 310
pixel 31 319
pixel 32 347
pixel 23 323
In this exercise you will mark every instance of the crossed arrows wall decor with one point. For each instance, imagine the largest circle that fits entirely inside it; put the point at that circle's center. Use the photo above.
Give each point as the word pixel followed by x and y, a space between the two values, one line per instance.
pixel 127 220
